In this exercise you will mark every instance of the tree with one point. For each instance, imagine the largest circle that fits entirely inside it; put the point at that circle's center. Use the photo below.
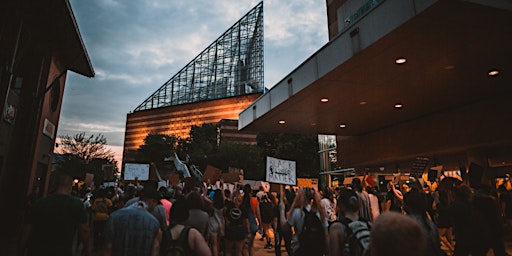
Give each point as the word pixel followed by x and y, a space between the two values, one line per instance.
pixel 156 148
pixel 303 149
pixel 202 143
pixel 81 151
pixel 243 156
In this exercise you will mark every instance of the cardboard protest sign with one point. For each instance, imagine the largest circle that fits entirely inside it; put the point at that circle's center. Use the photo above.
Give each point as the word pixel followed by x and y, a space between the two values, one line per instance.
pixel 281 171
pixel 89 178
pixel 307 182
pixel 211 173
pixel 232 177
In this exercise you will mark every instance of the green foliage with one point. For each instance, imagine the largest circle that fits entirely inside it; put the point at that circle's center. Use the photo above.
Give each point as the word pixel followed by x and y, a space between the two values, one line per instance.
pixel 82 154
pixel 303 149
pixel 156 148
pixel 242 156
pixel 203 148
pixel 201 144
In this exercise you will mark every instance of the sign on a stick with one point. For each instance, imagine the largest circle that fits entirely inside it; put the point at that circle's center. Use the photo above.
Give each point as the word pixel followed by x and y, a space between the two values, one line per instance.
pixel 281 171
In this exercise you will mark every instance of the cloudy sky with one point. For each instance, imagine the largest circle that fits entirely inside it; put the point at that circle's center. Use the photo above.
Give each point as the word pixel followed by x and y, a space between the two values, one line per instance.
pixel 137 45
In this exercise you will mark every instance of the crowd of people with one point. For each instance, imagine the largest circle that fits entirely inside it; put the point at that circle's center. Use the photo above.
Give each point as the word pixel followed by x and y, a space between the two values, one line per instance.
pixel 200 219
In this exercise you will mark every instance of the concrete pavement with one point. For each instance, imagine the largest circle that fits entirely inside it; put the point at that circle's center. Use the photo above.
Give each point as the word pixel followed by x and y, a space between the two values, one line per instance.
pixel 259 247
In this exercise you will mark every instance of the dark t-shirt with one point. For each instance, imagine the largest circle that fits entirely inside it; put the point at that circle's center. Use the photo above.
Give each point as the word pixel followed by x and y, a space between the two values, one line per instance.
pixel 396 204
pixel 235 229
pixel 444 218
pixel 54 221
pixel 267 215
pixel 506 199
pixel 181 240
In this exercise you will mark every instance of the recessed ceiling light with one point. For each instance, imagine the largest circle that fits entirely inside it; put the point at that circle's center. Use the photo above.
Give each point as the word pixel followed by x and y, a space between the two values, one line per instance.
pixel 363 103
pixel 400 60
pixel 324 99
pixel 399 105
pixel 343 125
pixel 282 122
pixel 493 72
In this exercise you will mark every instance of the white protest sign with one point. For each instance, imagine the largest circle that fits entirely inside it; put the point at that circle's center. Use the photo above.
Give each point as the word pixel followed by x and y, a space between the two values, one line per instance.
pixel 139 171
pixel 281 171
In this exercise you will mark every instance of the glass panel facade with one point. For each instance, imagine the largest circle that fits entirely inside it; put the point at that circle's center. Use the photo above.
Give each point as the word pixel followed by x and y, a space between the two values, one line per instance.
pixel 231 66
pixel 327 152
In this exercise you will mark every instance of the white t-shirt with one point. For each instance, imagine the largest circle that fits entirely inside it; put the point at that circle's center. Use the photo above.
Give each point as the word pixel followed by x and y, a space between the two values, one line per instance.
pixel 330 209
pixel 374 203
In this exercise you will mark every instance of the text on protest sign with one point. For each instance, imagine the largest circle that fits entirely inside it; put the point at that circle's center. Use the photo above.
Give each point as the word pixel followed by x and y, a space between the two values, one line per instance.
pixel 139 171
pixel 281 171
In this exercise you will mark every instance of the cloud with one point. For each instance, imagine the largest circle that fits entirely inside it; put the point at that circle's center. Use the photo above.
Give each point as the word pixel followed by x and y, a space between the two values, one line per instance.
pixel 136 46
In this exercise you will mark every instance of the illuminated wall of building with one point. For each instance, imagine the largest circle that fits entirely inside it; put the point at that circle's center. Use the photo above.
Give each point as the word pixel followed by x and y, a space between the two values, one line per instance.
pixel 177 120
pixel 228 129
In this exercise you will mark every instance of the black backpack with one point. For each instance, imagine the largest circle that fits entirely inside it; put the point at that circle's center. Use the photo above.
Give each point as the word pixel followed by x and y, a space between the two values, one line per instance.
pixel 357 236
pixel 266 211
pixel 312 238
pixel 177 247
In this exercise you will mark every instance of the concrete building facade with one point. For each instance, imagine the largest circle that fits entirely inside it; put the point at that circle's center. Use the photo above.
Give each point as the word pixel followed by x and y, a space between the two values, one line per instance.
pixel 403 79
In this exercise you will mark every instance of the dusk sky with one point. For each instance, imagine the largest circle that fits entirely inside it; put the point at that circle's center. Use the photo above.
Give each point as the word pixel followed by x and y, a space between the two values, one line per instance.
pixel 135 46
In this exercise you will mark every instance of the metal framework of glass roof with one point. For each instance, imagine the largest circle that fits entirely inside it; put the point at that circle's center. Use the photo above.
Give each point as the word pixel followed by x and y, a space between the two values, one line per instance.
pixel 231 66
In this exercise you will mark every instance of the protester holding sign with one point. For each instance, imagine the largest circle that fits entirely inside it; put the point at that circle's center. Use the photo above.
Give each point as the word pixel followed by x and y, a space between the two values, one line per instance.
pixel 307 201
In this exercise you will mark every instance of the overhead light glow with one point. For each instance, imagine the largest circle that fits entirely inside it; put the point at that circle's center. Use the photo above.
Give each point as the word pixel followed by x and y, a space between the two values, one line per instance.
pixel 363 103
pixel 399 105
pixel 282 122
pixel 493 72
pixel 324 99
pixel 400 60
pixel 343 125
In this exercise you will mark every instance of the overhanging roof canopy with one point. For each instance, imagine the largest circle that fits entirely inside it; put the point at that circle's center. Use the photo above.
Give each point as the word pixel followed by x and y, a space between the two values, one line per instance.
pixel 53 26
pixel 450 48
pixel 75 53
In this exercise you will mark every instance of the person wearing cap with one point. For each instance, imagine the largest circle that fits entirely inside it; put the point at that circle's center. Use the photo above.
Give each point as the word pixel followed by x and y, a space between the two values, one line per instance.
pixel 158 211
pixel 134 230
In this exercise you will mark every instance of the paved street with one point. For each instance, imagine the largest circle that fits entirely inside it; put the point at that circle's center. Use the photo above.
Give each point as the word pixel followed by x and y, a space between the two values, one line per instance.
pixel 259 247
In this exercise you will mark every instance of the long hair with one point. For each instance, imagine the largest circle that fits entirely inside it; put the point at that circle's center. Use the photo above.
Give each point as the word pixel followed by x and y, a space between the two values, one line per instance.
pixel 303 197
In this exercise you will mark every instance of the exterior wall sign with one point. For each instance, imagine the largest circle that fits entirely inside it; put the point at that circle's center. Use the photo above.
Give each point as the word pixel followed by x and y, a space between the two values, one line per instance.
pixel 10 113
pixel 362 10
pixel 49 129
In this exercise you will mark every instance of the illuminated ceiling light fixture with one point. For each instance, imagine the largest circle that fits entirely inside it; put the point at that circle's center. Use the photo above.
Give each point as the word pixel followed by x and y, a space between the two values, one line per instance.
pixel 324 99
pixel 343 126
pixel 399 105
pixel 282 122
pixel 400 60
pixel 493 72
pixel 363 103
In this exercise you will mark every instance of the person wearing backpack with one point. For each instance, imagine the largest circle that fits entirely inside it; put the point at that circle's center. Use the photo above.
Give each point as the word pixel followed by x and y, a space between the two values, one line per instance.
pixel 101 207
pixel 180 239
pixel 350 235
pixel 307 217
